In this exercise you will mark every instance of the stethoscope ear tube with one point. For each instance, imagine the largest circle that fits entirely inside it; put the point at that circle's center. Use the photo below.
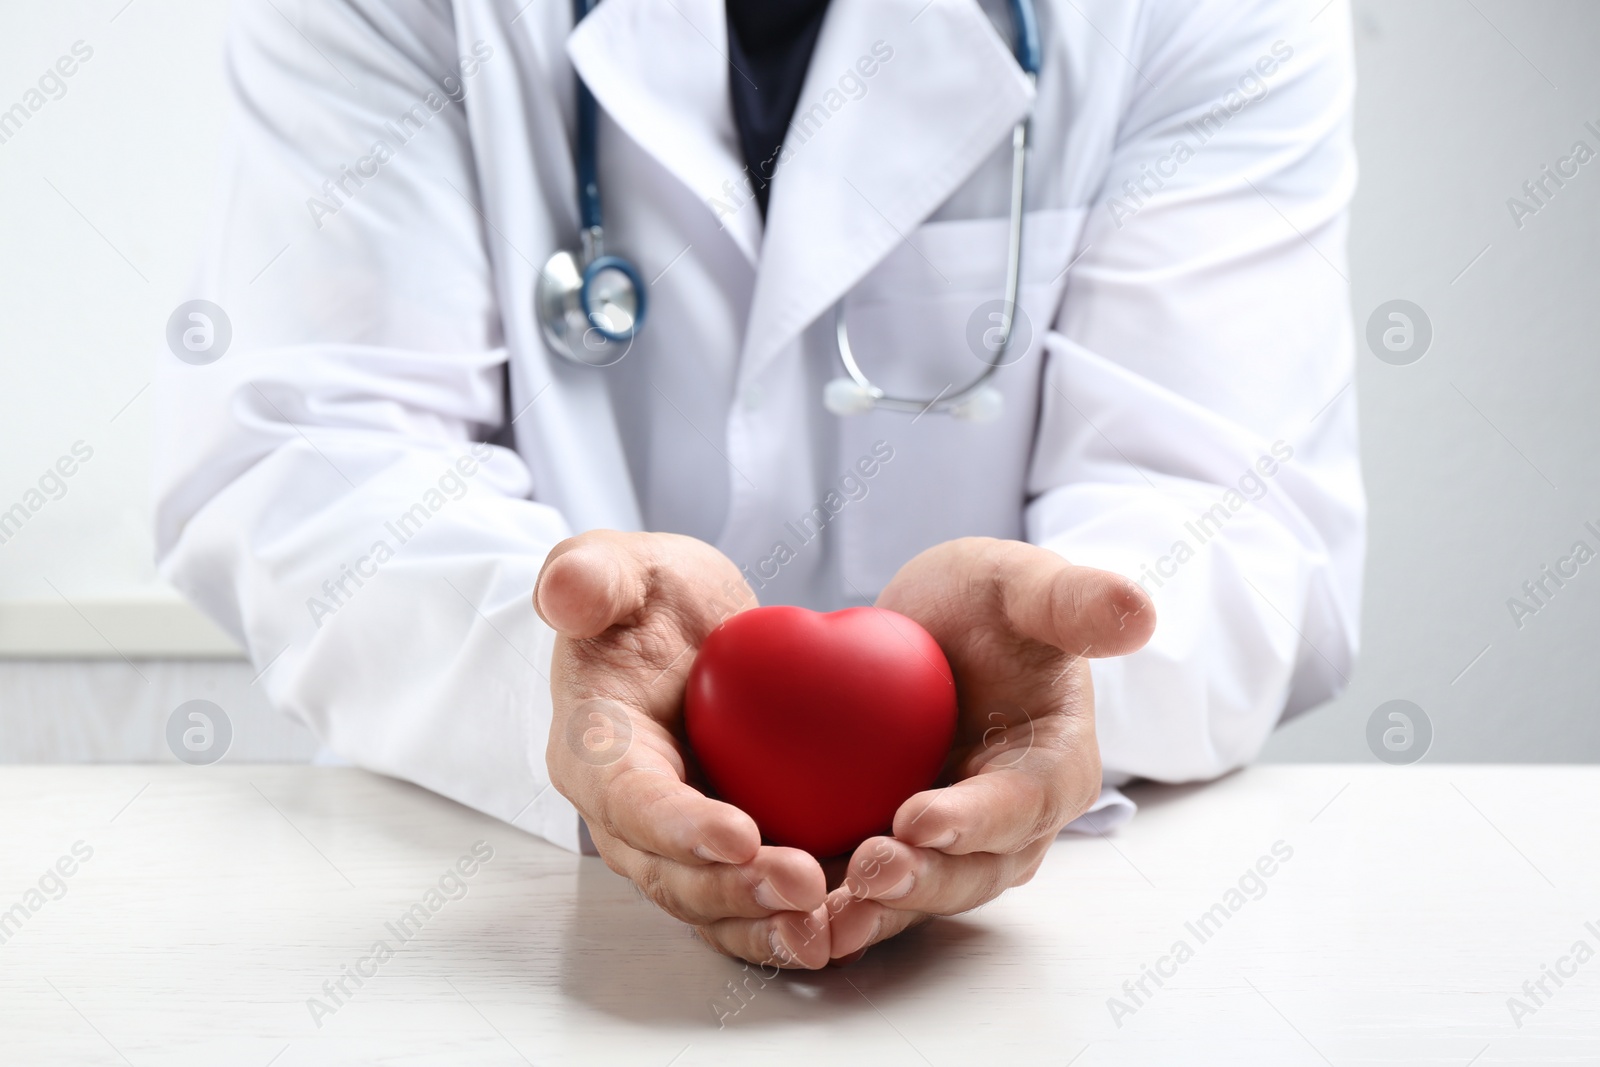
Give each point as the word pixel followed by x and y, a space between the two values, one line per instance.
pixel 977 401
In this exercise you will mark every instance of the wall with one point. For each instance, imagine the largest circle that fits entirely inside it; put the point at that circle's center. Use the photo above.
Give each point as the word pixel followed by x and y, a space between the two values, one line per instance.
pixel 1480 456
pixel 105 184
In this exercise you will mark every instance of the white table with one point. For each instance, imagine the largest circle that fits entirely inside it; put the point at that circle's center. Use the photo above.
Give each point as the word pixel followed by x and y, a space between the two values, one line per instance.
pixel 218 900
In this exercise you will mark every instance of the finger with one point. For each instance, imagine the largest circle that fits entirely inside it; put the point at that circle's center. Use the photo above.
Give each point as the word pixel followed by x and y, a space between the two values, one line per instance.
pixel 926 880
pixel 1081 610
pixel 790 939
pixel 999 811
pixel 645 804
pixel 632 787
pixel 588 584
pixel 860 924
pixel 777 880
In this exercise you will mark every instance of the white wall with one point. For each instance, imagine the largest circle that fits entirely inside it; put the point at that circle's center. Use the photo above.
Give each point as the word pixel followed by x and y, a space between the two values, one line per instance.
pixel 1479 457
pixel 104 191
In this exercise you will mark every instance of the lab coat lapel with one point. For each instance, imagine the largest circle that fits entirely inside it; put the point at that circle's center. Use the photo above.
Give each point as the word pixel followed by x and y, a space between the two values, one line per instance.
pixel 659 69
pixel 862 171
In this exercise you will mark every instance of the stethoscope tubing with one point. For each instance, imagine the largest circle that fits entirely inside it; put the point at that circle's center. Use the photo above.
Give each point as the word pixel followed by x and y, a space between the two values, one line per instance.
pixel 946 401
pixel 588 115
pixel 594 260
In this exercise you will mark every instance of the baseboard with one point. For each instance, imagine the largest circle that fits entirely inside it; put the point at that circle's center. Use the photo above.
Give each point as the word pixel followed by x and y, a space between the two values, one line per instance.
pixel 110 629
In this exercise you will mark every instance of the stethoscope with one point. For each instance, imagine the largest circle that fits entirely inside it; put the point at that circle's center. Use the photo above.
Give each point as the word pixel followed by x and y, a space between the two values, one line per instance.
pixel 590 305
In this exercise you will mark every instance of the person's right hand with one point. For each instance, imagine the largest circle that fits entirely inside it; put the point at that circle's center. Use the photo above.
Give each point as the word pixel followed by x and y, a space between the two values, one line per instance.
pixel 630 612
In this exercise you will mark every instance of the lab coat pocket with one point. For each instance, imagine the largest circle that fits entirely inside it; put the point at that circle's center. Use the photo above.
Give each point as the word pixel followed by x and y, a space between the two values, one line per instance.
pixel 925 323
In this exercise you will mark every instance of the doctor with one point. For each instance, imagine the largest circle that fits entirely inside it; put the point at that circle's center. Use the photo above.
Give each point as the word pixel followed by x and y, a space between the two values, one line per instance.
pixel 417 482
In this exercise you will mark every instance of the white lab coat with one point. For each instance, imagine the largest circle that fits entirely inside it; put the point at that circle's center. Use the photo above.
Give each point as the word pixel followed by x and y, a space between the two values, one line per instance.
pixel 382 322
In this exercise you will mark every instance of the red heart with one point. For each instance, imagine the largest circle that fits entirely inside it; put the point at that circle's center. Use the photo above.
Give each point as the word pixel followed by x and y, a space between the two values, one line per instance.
pixel 820 726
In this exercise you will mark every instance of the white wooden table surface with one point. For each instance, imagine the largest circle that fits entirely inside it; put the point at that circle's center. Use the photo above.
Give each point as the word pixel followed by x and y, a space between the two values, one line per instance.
pixel 216 902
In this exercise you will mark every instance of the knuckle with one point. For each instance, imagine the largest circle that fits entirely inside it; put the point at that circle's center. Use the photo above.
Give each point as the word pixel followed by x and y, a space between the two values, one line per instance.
pixel 1078 797
pixel 991 883
pixel 560 775
pixel 896 923
pixel 651 881
pixel 981 887
pixel 714 941
pixel 1052 817
pixel 607 818
pixel 629 802
pixel 614 861
pixel 1029 867
pixel 1045 817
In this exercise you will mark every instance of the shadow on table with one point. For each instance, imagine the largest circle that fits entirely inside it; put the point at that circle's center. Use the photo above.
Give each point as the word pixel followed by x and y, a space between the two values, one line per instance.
pixel 627 959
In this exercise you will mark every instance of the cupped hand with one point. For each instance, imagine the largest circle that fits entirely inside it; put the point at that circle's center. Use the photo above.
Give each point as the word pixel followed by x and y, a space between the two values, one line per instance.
pixel 1018 624
pixel 630 612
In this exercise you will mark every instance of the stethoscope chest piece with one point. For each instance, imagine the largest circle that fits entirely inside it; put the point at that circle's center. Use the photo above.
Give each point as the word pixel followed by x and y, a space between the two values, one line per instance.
pixel 589 314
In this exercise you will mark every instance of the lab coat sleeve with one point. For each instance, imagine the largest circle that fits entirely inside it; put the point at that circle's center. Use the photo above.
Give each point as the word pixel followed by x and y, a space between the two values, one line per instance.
pixel 318 489
pixel 1198 428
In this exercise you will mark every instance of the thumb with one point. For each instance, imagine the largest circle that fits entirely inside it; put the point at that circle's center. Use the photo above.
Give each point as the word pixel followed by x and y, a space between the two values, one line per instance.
pixel 1081 610
pixel 588 584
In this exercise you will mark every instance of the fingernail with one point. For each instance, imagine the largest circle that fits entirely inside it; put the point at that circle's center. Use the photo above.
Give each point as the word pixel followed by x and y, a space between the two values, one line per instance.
pixel 768 897
pixel 899 889
pixel 706 853
pixel 944 840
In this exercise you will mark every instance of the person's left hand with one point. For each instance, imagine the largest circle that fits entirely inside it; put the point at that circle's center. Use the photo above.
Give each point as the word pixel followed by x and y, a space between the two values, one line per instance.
pixel 1018 624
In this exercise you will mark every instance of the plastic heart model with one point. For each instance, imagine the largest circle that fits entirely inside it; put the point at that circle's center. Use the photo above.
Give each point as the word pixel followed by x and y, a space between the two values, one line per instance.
pixel 820 726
